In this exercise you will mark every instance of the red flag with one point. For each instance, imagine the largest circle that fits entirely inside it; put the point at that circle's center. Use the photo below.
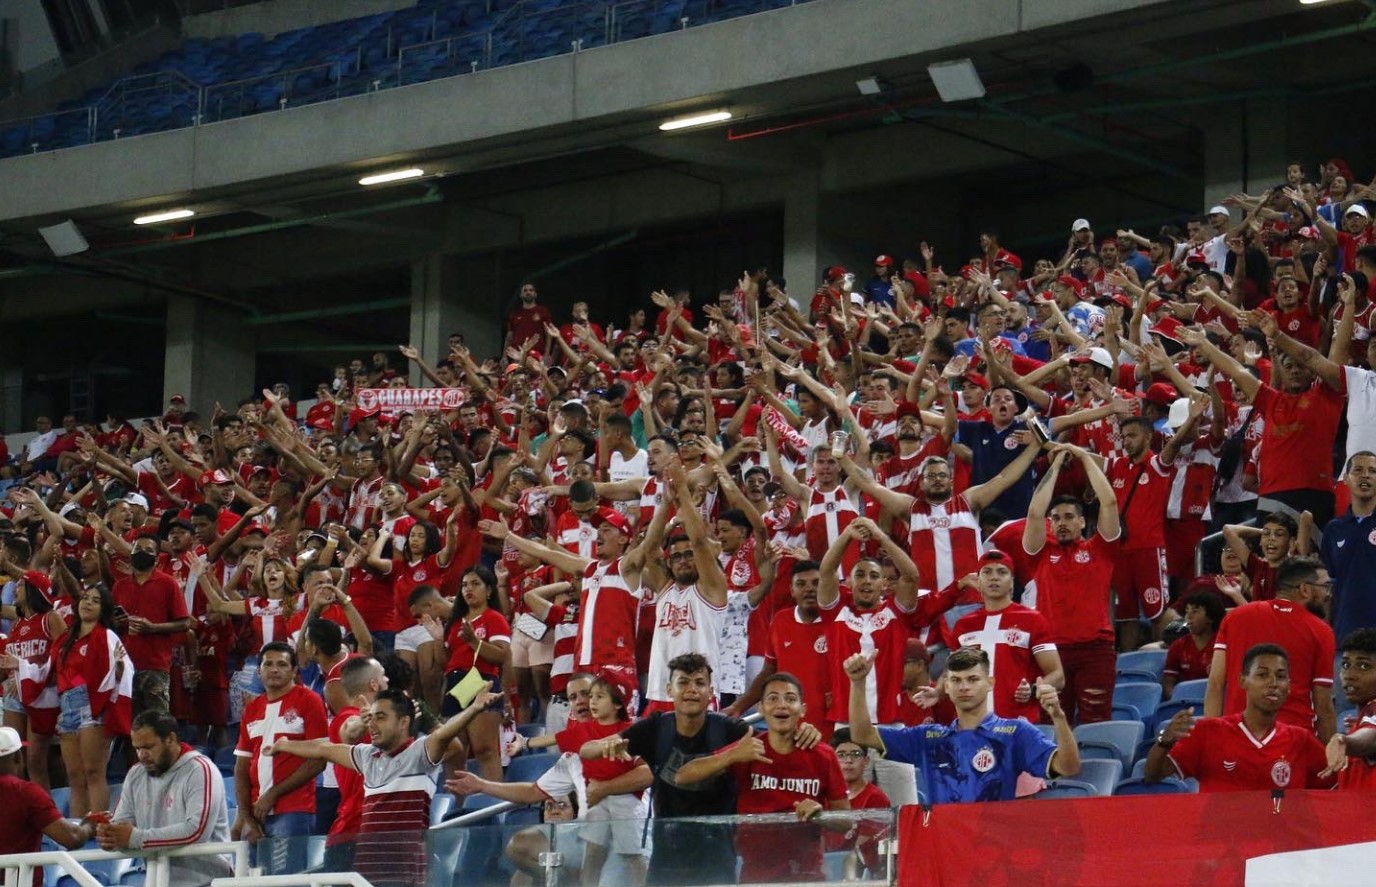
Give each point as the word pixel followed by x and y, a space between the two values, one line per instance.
pixel 1122 842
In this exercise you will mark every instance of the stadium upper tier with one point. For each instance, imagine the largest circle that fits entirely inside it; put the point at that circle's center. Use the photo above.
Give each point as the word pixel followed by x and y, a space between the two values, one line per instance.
pixel 208 80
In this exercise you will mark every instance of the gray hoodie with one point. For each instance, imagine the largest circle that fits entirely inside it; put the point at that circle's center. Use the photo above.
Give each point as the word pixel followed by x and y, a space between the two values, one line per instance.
pixel 185 805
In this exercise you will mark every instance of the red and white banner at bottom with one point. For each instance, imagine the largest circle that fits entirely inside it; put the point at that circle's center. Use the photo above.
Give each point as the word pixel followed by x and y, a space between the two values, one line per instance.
pixel 1240 839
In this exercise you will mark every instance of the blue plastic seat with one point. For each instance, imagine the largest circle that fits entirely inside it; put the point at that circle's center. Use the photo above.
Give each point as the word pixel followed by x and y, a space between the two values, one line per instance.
pixel 1142 664
pixel 1136 701
pixel 1117 740
pixel 1066 788
pixel 62 797
pixel 442 807
pixel 1190 691
pixel 1104 775
pixel 1167 786
pixel 528 768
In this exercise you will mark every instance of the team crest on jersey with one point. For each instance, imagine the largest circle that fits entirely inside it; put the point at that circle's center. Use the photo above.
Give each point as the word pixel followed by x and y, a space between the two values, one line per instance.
pixel 1081 557
pixel 1294 325
pixel 1152 595
pixel 292 722
pixel 939 523
pixel 984 760
pixel 740 573
pixel 831 506
pixel 1371 538
pixel 1010 443
pixel 420 575
pixel 820 645
pixel 1016 637
pixel 677 619
pixel 1143 480
pixel 1055 558
pixel 1280 773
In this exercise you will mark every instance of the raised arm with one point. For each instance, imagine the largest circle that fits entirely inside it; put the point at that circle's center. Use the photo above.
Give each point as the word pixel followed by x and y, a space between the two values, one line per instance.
pixel 559 558
pixel 1218 357
pixel 1302 354
pixel 829 588
pixel 893 502
pixel 437 743
pixel 1034 533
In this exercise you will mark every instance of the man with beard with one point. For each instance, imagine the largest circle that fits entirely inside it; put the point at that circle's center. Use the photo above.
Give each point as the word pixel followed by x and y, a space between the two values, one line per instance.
pixel 527 321
pixel 172 798
pixel 1295 621
pixel 1072 579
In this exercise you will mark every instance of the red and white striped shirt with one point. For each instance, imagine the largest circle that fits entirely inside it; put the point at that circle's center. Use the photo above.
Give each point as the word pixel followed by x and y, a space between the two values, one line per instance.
pixel 1012 637
pixel 943 540
pixel 576 535
pixel 606 627
pixel 828 514
pixel 563 622
pixel 397 789
pixel 363 502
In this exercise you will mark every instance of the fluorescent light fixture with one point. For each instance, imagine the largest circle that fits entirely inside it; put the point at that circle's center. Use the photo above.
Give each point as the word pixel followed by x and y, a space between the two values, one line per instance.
pixel 393 176
pixel 170 216
pixel 1312 2
pixel 956 81
pixel 64 239
pixel 695 120
pixel 871 86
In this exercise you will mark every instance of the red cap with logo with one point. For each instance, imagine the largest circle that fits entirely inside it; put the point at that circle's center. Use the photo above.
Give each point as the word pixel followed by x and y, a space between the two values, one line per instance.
pixel 613 517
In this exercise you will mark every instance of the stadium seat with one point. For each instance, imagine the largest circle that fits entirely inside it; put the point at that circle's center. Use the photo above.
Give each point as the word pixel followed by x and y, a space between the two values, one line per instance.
pixel 441 807
pixel 530 731
pixel 1136 701
pixel 133 878
pixel 230 797
pixel 478 802
pixel 62 797
pixel 834 863
pixel 1347 718
pixel 224 759
pixel 1190 691
pixel 1066 788
pixel 522 817
pixel 528 768
pixel 1137 786
pixel 1142 665
pixel 1110 739
pixel 1102 774
pixel 1167 710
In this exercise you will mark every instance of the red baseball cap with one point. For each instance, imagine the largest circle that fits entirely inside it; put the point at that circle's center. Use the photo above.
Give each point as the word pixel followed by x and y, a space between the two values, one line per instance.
pixel 994 556
pixel 884 260
pixel 916 651
pixel 613 517
pixel 1160 393
pixel 834 272
pixel 1075 283
pixel 623 683
pixel 977 379
pixel 218 476
pixel 40 583
pixel 908 408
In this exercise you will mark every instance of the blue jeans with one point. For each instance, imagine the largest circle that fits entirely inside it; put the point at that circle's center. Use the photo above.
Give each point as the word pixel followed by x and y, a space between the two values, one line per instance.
pixel 75 711
pixel 283 848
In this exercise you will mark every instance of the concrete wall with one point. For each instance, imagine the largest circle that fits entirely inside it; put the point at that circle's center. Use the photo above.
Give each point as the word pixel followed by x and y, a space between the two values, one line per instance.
pixel 274 17
pixel 658 75
pixel 32 43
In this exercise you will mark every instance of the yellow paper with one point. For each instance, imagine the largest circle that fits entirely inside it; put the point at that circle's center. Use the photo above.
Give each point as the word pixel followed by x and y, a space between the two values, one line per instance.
pixel 468 688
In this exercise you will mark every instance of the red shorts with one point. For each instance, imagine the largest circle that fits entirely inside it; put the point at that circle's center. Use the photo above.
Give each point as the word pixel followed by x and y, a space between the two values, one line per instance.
pixel 1139 583
pixel 1182 536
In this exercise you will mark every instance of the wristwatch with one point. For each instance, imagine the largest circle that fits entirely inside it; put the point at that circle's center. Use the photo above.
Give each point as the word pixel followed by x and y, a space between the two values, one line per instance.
pixel 1161 739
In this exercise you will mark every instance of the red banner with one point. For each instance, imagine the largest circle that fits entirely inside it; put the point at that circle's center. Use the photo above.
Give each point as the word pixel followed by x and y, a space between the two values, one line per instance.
pixel 1166 840
pixel 395 401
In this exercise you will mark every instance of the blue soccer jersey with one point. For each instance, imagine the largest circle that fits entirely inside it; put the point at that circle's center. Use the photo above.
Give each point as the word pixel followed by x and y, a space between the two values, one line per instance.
pixel 958 766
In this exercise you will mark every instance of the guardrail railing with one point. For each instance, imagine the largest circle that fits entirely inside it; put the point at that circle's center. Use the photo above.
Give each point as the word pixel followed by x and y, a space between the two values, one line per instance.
pixel 19 867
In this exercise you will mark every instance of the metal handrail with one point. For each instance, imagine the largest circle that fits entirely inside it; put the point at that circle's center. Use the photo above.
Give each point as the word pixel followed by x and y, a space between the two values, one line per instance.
pixel 475 816
pixel 305 879
pixel 19 867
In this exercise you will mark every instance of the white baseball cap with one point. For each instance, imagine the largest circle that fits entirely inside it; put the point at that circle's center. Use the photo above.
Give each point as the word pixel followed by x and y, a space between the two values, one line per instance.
pixel 10 741
pixel 1359 210
pixel 1080 225
pixel 1179 413
pixel 137 499
pixel 1219 210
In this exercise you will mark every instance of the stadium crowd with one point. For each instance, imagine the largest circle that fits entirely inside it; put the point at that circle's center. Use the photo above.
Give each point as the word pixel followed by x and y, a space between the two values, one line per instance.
pixel 899 510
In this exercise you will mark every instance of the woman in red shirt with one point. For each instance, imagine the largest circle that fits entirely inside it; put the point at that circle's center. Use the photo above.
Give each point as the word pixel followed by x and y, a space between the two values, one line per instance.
pixel 80 672
pixel 31 636
pixel 477 636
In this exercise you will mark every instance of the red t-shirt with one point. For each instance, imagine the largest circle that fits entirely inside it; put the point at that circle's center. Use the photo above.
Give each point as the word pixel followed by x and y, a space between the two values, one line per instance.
pixel 349 819
pixel 849 631
pixel 298 714
pixel 158 600
pixel 865 833
pixel 1296 450
pixel 1306 638
pixel 407 577
pixel 27 811
pixel 372 597
pixel 1072 588
pixel 1016 635
pixel 774 855
pixel 1361 772
pixel 573 737
pixel 1225 757
pixel 800 649
pixel 1144 518
pixel 490 626
pixel 523 323
pixel 1187 661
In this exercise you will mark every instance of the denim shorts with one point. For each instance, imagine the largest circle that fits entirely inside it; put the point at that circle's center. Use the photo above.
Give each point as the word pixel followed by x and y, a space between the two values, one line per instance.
pixel 75 711
pixel 12 702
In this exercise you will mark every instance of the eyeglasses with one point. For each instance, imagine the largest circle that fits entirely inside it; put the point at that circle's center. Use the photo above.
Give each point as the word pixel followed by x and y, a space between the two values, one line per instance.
pixel 681 555
pixel 850 755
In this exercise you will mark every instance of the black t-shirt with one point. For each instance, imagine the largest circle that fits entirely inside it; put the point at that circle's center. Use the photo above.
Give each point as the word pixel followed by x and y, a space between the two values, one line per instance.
pixel 714 797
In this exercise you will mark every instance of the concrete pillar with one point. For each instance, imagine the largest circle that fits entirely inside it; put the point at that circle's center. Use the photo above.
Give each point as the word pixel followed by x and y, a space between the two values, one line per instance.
pixel 803 261
pixel 445 299
pixel 1245 150
pixel 210 355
